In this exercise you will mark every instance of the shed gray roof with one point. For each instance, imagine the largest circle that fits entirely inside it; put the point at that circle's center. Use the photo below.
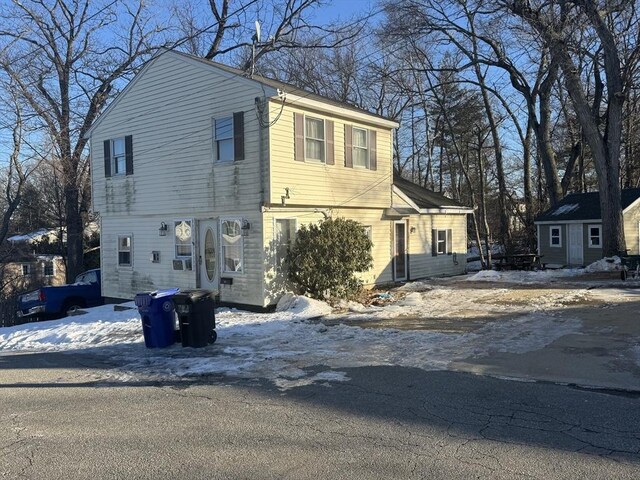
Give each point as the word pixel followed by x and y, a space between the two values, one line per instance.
pixel 583 206
pixel 423 197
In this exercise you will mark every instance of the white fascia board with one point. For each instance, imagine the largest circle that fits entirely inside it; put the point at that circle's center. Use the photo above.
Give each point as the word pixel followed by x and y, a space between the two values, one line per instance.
pixel 404 197
pixel 447 210
pixel 331 109
pixel 564 222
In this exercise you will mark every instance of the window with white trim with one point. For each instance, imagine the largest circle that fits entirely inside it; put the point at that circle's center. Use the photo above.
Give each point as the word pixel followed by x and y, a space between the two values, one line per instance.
pixel 442 242
pixel 223 135
pixel 26 269
pixel 48 269
pixel 232 245
pixel 360 146
pixel 314 139
pixel 595 236
pixel 555 236
pixel 124 250
pixel 183 238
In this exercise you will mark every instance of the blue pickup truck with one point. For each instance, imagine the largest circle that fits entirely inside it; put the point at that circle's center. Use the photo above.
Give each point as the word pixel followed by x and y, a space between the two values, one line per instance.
pixel 59 301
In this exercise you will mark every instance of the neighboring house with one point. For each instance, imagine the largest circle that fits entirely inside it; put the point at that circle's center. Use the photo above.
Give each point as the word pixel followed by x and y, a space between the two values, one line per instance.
pixel 43 234
pixel 571 232
pixel 201 177
pixel 19 272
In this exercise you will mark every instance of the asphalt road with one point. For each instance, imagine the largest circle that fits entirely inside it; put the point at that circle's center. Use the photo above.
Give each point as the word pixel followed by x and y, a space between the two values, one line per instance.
pixel 61 418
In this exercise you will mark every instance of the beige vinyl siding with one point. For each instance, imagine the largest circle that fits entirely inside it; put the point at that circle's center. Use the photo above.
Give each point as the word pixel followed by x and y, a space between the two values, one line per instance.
pixel 421 261
pixel 319 184
pixel 169 111
pixel 632 230
pixel 381 233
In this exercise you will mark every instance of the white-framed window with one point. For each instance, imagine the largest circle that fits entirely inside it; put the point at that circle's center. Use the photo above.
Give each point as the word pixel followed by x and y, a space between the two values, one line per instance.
pixel 223 138
pixel 124 250
pixel 595 236
pixel 555 236
pixel 360 146
pixel 284 236
pixel 314 139
pixel 48 269
pixel 118 156
pixel 232 245
pixel 26 269
pixel 183 238
pixel 441 238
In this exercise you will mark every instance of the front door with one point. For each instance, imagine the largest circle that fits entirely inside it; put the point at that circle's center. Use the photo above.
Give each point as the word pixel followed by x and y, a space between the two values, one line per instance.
pixel 208 254
pixel 576 256
pixel 400 251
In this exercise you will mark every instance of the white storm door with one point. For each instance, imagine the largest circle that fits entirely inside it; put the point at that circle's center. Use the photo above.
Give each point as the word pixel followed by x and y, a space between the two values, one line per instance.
pixel 575 246
pixel 208 254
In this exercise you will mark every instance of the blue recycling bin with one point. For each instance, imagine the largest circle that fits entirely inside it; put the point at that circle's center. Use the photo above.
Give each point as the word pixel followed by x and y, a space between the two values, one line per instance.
pixel 158 317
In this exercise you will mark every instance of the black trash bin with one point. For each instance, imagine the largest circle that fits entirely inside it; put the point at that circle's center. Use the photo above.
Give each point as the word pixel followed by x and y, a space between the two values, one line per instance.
pixel 196 317
pixel 157 314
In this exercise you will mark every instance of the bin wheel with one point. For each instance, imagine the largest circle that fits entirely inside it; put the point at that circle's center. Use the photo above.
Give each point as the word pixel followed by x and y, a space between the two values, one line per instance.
pixel 213 336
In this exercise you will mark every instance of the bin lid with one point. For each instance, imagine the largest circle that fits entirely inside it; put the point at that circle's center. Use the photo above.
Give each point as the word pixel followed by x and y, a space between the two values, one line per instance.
pixel 193 296
pixel 143 299
pixel 167 292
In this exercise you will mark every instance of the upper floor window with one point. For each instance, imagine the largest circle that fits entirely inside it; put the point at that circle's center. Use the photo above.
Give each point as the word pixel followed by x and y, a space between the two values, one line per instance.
pixel 124 250
pixel 118 156
pixel 595 236
pixel 228 135
pixel 313 139
pixel 184 247
pixel 360 147
pixel 555 236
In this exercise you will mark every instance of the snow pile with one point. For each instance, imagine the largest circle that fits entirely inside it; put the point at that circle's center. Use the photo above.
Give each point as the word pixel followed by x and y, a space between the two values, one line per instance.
pixel 605 265
pixel 524 277
pixel 302 307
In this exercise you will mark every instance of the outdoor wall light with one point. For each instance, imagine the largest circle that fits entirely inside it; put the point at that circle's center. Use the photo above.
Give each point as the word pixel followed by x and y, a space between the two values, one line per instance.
pixel 163 229
pixel 246 226
pixel 412 230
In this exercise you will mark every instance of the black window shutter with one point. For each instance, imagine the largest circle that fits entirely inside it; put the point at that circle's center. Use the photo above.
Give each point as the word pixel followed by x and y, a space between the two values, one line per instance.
pixel 107 158
pixel 238 136
pixel 434 242
pixel 128 152
pixel 449 242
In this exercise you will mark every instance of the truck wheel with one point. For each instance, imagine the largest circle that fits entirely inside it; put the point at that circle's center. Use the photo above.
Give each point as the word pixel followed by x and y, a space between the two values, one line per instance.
pixel 72 306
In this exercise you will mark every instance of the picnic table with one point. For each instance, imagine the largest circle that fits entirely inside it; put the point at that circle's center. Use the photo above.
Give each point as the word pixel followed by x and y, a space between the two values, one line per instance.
pixel 517 261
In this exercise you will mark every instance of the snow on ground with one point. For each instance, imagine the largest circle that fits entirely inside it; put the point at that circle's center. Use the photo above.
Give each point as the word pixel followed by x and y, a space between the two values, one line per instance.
pixel 289 348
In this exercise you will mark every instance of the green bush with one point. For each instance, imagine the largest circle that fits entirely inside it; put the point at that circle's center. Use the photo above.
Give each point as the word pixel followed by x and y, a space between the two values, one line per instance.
pixel 325 257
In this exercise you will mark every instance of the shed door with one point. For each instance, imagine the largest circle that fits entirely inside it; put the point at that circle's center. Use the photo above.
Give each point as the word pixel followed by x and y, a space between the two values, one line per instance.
pixel 576 256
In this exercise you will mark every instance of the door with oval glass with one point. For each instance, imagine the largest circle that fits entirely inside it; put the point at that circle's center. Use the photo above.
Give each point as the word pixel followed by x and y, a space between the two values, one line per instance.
pixel 208 254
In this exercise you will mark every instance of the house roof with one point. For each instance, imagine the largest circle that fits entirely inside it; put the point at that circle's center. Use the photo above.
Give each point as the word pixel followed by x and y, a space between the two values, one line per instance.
pixel 423 197
pixel 584 206
pixel 286 87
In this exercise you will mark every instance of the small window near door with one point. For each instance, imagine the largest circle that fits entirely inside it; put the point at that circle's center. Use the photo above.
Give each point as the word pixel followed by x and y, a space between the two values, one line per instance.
pixel 442 242
pixel 232 245
pixel 595 236
pixel 555 236
pixel 26 269
pixel 184 247
pixel 48 269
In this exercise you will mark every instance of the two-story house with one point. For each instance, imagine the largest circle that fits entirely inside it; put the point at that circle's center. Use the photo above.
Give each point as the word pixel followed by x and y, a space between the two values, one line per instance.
pixel 202 175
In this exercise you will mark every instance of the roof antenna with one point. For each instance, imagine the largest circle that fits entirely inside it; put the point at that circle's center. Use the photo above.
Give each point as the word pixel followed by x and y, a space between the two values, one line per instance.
pixel 255 40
